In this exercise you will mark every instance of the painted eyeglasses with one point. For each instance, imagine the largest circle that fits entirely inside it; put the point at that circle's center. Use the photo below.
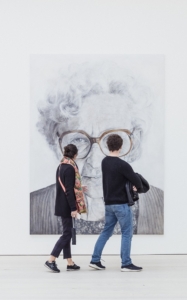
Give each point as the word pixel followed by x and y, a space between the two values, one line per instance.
pixel 84 142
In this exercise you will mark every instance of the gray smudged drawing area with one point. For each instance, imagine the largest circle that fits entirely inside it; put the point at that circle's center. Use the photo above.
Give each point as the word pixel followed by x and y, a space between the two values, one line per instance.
pixel 147 215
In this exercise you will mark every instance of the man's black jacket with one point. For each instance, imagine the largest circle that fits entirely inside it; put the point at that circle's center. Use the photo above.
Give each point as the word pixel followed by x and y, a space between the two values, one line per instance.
pixel 133 195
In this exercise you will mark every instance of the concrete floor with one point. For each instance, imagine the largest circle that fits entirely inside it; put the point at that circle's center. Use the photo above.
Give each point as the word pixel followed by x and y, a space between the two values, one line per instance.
pixel 25 277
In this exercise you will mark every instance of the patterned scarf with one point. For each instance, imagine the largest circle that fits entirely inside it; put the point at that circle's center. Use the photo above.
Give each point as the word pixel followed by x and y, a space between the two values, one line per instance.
pixel 81 207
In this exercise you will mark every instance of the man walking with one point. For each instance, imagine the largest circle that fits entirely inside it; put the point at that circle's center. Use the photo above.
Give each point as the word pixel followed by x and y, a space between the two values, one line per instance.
pixel 116 173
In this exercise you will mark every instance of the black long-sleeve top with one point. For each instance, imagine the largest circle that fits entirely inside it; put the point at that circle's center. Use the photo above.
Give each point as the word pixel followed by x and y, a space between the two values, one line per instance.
pixel 116 173
pixel 65 203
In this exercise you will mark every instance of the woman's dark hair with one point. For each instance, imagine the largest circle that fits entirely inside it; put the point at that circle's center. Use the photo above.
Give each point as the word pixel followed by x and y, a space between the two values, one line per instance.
pixel 70 151
pixel 114 142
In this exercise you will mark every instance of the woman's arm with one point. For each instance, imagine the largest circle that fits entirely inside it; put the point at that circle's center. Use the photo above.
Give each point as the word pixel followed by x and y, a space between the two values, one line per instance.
pixel 69 183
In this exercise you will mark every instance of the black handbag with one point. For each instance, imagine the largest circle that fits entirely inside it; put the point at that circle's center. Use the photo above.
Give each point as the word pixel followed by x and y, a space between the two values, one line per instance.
pixel 131 194
pixel 73 232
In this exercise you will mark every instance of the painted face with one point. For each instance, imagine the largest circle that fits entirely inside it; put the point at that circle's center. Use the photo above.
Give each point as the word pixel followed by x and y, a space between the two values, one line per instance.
pixel 98 114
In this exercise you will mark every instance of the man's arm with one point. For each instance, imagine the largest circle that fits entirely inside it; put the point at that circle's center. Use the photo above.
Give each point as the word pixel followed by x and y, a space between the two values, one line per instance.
pixel 69 178
pixel 128 172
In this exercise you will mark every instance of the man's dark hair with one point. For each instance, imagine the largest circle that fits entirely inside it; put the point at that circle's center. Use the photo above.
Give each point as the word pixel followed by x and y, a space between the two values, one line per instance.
pixel 70 151
pixel 114 142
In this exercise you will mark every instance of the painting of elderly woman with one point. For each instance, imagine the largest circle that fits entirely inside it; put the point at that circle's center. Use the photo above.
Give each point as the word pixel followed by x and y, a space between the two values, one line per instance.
pixel 81 100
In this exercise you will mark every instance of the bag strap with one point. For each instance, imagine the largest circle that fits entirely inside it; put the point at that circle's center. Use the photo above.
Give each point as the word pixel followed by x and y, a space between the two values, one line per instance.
pixel 73 221
pixel 63 187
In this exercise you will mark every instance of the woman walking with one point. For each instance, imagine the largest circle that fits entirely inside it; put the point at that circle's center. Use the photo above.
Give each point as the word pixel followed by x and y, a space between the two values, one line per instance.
pixel 69 201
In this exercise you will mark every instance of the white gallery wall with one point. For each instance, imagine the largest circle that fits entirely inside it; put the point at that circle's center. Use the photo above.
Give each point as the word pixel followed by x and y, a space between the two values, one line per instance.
pixel 89 27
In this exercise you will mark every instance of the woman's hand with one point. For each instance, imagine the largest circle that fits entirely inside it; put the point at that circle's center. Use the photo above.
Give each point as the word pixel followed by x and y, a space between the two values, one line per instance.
pixel 84 188
pixel 74 214
pixel 134 188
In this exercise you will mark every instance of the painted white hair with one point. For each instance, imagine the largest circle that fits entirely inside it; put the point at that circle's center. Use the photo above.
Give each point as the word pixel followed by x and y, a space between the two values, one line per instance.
pixel 71 89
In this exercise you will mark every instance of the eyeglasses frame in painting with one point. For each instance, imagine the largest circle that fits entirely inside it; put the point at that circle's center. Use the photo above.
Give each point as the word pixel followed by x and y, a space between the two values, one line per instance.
pixel 97 140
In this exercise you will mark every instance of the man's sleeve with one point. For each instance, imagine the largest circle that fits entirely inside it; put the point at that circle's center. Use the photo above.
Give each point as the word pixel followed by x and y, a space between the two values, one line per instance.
pixel 102 172
pixel 69 185
pixel 128 172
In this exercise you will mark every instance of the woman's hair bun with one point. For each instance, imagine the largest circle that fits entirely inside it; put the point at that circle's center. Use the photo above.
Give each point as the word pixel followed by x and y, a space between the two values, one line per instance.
pixel 70 150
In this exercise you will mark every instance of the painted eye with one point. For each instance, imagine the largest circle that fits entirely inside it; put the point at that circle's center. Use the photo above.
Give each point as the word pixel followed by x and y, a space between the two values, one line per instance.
pixel 104 142
pixel 79 141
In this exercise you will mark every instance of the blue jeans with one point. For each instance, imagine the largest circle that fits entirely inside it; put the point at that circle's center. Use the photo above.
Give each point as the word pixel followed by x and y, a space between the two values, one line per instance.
pixel 113 213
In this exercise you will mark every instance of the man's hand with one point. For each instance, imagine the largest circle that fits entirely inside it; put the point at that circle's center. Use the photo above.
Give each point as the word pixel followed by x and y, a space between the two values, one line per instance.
pixel 74 214
pixel 134 188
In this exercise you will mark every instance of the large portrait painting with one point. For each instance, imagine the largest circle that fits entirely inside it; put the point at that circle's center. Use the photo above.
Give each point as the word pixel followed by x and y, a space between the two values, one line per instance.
pixel 81 99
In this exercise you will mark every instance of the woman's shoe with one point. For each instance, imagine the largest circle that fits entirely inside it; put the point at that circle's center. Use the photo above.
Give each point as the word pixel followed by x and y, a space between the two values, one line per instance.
pixel 73 268
pixel 52 266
